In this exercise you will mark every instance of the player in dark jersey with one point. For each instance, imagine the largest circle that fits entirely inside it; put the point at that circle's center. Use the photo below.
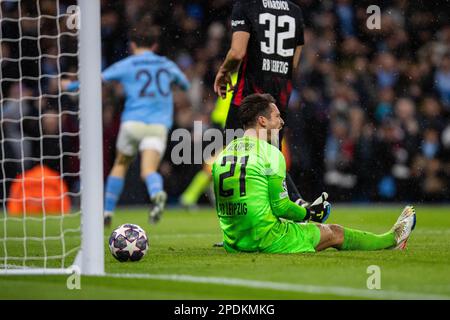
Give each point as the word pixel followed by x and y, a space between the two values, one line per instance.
pixel 267 42
pixel 266 47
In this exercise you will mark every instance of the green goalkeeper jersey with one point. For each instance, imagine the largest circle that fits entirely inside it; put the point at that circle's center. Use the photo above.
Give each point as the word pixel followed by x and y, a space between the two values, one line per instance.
pixel 251 197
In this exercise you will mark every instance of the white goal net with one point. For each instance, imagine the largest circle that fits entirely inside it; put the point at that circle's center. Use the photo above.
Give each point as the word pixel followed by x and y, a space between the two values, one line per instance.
pixel 40 175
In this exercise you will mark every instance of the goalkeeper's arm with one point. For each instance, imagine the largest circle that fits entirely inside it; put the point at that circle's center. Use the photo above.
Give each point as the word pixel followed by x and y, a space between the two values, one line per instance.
pixel 281 205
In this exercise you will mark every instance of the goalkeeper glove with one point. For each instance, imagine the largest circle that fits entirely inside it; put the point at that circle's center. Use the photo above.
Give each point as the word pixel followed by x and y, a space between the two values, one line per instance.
pixel 319 210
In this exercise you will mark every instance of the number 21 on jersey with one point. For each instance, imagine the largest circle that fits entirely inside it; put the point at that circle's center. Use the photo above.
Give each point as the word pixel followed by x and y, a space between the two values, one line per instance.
pixel 233 160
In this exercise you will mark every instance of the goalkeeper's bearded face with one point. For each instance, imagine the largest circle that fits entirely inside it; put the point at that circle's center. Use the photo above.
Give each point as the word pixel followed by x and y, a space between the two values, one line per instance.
pixel 274 124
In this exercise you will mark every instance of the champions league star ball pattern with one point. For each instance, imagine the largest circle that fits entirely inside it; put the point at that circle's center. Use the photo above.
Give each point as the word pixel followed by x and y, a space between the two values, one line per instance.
pixel 128 243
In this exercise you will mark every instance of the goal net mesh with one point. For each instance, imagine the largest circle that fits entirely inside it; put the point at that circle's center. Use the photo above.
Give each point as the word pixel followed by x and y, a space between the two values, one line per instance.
pixel 39 135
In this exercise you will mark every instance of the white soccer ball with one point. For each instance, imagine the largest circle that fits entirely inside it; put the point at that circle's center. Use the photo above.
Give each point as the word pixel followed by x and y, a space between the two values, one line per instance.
pixel 128 242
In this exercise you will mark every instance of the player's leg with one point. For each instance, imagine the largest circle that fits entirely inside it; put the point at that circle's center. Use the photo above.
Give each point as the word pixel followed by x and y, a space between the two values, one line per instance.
pixel 294 193
pixel 152 149
pixel 125 151
pixel 150 160
pixel 201 181
pixel 343 238
pixel 114 184
pixel 336 236
pixel 197 187
pixel 233 121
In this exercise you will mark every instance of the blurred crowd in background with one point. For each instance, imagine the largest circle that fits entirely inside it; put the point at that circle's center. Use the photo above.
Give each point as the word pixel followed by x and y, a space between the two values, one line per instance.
pixel 369 118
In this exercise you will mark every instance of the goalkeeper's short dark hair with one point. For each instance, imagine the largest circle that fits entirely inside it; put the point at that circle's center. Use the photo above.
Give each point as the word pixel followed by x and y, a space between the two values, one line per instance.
pixel 144 36
pixel 253 106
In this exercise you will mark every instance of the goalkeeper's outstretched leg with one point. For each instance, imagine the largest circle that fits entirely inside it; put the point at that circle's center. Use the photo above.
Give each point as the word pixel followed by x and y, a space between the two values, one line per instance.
pixel 341 238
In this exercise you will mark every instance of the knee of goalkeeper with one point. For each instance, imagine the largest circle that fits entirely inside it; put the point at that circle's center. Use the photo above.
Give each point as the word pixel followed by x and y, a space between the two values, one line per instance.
pixel 319 210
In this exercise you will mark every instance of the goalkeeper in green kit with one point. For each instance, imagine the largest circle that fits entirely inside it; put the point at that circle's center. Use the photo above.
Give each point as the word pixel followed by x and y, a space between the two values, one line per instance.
pixel 252 202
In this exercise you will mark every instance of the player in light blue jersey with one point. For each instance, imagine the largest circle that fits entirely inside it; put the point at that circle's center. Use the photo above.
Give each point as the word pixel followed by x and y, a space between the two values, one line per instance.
pixel 148 115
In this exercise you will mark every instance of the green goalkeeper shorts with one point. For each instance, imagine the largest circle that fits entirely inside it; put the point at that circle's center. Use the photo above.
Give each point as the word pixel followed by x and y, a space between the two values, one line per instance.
pixel 300 237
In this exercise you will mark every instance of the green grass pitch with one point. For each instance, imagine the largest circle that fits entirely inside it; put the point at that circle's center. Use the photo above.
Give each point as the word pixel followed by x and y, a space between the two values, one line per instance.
pixel 183 264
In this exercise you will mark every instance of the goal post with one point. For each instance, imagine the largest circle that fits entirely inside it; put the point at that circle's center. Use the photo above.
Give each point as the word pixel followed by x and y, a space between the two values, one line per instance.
pixel 45 243
pixel 92 243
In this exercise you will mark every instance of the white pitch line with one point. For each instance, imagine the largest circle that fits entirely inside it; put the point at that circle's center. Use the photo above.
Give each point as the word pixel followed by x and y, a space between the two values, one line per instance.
pixel 313 289
pixel 186 235
pixel 179 235
pixel 444 231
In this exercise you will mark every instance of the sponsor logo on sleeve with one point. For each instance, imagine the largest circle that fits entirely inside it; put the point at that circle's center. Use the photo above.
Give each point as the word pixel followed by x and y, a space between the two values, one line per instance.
pixel 284 194
pixel 235 23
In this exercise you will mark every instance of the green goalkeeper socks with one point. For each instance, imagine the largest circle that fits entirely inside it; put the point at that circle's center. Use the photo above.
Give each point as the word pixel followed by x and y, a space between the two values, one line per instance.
pixel 367 241
pixel 196 188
